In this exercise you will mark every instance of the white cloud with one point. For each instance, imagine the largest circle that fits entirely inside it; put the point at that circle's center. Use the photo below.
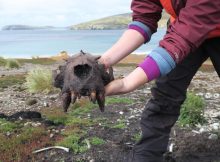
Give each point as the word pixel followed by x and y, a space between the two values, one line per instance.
pixel 58 12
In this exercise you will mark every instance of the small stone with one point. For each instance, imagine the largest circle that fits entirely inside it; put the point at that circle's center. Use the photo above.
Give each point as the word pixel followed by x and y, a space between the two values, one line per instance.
pixel 51 135
pixel 194 131
pixel 203 130
pixel 46 104
pixel 121 112
pixel 36 124
pixel 8 134
pixel 213 137
pixel 215 126
pixel 131 117
pixel 31 102
pixel 27 124
pixel 118 120
pixel 171 147
pixel 208 95
pixel 216 95
pixel 52 98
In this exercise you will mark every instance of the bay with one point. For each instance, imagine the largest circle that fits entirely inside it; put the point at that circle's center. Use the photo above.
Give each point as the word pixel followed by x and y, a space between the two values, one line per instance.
pixel 43 43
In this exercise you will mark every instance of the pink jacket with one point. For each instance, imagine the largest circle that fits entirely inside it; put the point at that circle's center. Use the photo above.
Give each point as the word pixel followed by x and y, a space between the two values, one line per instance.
pixel 195 19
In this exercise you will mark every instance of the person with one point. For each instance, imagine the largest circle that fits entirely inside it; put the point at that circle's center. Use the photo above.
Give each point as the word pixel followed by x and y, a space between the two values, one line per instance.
pixel 191 38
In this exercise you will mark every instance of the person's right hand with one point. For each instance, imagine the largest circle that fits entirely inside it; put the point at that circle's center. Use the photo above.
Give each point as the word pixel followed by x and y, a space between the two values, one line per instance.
pixel 127 84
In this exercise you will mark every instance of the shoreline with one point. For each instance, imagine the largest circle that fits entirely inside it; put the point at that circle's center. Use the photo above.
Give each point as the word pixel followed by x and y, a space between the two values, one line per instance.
pixel 55 55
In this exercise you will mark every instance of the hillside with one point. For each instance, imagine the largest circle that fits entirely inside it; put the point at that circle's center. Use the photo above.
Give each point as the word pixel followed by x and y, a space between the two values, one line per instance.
pixel 113 22
pixel 25 27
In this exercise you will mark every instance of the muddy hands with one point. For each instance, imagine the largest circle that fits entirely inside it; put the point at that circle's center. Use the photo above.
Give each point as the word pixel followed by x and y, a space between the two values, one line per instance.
pixel 81 75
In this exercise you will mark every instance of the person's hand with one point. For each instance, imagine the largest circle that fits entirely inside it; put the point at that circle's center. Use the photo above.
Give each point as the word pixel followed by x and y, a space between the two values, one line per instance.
pixel 131 82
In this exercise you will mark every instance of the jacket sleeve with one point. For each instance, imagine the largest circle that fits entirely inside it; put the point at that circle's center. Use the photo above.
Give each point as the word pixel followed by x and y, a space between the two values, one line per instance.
pixel 195 21
pixel 191 28
pixel 146 14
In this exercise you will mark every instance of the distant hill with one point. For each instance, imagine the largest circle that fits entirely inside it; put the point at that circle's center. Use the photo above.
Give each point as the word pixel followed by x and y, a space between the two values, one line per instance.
pixel 113 22
pixel 25 27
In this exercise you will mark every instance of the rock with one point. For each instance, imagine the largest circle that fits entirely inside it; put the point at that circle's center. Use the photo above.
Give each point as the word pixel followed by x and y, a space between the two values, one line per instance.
pixel 51 135
pixel 8 134
pixel 203 130
pixel 171 147
pixel 57 131
pixel 27 124
pixel 53 97
pixel 208 95
pixel 36 124
pixel 213 137
pixel 46 104
pixel 131 117
pixel 216 95
pixel 121 112
pixel 197 132
pixel 31 102
pixel 215 126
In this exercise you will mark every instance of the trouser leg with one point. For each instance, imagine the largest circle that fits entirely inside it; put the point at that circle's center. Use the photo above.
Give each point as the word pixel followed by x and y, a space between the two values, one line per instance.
pixel 213 49
pixel 162 110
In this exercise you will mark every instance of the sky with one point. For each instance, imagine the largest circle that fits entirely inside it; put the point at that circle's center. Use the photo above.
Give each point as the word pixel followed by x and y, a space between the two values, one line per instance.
pixel 58 13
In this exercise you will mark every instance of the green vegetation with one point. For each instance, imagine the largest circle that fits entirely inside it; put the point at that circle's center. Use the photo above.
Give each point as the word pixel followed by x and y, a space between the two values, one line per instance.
pixel 16 146
pixel 78 144
pixel 37 60
pixel 58 117
pixel 137 137
pixel 9 63
pixel 82 107
pixel 97 141
pixel 6 126
pixel 12 63
pixel 2 61
pixel 39 80
pixel 120 21
pixel 120 125
pixel 75 143
pixel 112 22
pixel 8 81
pixel 192 111
pixel 76 121
pixel 22 140
pixel 121 100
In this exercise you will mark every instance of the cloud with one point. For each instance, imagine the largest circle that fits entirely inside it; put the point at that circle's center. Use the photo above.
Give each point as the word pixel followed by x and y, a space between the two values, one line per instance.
pixel 58 12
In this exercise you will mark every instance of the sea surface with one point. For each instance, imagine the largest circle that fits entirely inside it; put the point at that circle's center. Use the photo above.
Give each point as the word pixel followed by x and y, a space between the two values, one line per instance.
pixel 42 43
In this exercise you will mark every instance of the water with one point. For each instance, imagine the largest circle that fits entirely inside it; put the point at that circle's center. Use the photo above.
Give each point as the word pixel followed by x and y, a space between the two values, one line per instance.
pixel 29 43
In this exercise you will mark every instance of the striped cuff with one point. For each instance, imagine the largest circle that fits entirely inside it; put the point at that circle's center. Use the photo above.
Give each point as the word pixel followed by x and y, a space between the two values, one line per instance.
pixel 150 68
pixel 163 59
pixel 142 29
